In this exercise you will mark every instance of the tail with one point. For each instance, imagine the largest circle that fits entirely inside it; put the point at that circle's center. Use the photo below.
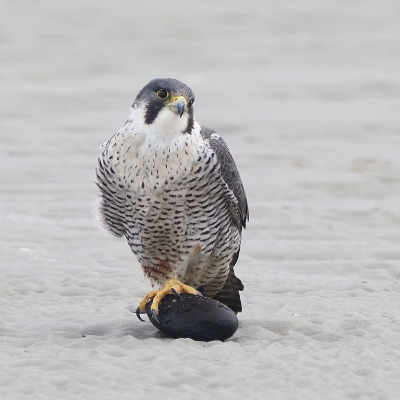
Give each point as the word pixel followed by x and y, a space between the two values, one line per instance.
pixel 229 294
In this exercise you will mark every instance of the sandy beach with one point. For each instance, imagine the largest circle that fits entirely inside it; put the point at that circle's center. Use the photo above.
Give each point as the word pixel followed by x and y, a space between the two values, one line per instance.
pixel 307 97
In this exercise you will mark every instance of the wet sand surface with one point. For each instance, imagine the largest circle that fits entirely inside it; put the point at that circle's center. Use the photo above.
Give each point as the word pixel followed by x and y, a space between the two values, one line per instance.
pixel 307 96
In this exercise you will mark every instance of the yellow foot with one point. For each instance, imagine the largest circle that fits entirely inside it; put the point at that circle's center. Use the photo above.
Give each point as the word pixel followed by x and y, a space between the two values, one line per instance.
pixel 172 286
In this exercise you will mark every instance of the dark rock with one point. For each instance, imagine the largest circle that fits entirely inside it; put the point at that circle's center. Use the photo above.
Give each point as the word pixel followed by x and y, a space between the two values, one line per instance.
pixel 196 317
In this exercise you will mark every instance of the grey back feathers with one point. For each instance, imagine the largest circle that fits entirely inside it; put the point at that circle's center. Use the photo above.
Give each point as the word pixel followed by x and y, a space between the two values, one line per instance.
pixel 229 174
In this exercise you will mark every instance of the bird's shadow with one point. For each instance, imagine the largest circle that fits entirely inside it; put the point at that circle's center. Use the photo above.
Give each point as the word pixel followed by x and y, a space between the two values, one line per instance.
pixel 115 329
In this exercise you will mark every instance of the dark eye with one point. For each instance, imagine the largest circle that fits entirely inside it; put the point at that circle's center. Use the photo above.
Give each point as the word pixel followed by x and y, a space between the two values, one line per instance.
pixel 190 102
pixel 162 94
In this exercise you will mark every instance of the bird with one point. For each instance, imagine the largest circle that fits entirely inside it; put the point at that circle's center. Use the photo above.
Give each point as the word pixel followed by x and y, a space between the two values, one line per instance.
pixel 172 189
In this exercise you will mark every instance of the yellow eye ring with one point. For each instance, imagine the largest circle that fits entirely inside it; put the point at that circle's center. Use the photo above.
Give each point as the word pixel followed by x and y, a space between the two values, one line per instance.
pixel 162 94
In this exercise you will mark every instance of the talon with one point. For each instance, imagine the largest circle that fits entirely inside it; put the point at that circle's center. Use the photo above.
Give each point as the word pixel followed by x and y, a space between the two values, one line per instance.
pixel 155 316
pixel 175 292
pixel 138 312
pixel 172 286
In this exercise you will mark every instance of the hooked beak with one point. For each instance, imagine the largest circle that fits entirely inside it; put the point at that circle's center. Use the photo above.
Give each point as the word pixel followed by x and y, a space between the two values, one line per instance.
pixel 178 105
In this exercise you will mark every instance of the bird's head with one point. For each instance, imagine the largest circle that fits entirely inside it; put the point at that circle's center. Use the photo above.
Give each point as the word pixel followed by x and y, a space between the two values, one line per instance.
pixel 168 104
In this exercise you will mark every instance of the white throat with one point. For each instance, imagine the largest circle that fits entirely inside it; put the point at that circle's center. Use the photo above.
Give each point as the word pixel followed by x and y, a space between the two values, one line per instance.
pixel 153 153
pixel 166 125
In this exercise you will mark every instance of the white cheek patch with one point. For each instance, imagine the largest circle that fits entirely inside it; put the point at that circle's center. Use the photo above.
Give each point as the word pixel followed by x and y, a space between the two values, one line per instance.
pixel 168 123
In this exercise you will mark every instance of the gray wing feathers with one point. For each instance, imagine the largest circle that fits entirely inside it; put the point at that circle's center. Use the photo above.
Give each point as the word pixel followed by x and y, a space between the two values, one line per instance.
pixel 239 210
pixel 229 174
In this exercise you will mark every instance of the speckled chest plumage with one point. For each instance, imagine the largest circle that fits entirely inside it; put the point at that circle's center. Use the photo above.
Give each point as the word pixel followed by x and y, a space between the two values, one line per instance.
pixel 166 195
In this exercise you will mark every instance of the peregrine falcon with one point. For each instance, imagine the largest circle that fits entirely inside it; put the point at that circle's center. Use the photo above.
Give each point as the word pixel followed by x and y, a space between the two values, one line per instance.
pixel 171 187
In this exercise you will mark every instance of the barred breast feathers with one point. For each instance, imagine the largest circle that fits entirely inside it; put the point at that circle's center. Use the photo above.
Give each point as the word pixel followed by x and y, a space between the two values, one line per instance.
pixel 142 159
